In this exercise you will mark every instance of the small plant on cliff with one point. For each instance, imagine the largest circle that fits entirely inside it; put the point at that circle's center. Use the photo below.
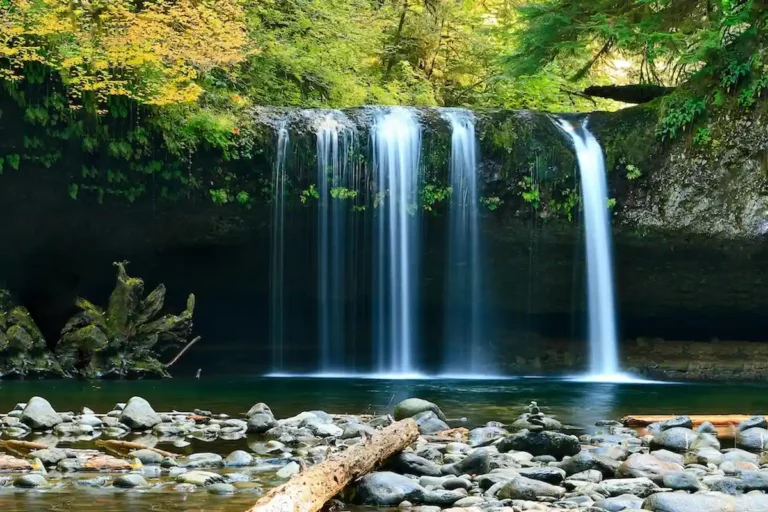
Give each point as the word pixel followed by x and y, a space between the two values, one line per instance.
pixel 343 193
pixel 679 113
pixel 702 137
pixel 309 193
pixel 530 191
pixel 633 172
pixel 432 194
pixel 492 203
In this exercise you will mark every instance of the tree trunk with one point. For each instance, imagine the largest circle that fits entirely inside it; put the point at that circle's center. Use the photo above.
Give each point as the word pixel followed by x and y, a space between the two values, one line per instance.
pixel 311 489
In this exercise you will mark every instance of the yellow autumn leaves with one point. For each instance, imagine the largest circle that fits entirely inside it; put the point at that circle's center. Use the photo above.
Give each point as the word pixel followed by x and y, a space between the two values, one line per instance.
pixel 152 51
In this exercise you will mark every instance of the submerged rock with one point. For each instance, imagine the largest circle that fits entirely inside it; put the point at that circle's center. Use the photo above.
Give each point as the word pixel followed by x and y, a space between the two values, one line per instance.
pixel 30 481
pixel 130 481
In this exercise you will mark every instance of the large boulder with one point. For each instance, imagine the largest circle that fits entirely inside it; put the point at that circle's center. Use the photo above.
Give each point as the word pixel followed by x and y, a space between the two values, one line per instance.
pixel 412 406
pixel 522 488
pixel 260 419
pixel 684 502
pixel 648 466
pixel 541 443
pixel 139 415
pixel 39 415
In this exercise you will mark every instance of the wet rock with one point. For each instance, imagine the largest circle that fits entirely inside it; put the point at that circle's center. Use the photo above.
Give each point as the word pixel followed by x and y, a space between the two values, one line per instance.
pixel 454 483
pixel 752 439
pixel 550 475
pixel 620 503
pixel 681 481
pixel 641 487
pixel 739 455
pixel 412 406
pixel 648 466
pixel 30 481
pixel 430 452
pixel 522 488
pixel 704 456
pixel 185 488
pixel 476 463
pixel 238 459
pixel 322 429
pixel 139 415
pixel 668 456
pixel 201 460
pixel 99 481
pixel 681 439
pixel 586 460
pixel 753 422
pixel 429 423
pixel 49 457
pixel 535 422
pixel 39 415
pixel 69 465
pixel 541 443
pixel 221 489
pixel 683 502
pixel 147 456
pixel 260 419
pixel 200 478
pixel 590 475
pixel 288 470
pixel 384 488
pixel 676 422
pixel 412 464
pixel 130 481
pixel 237 477
pixel 354 429
pixel 486 435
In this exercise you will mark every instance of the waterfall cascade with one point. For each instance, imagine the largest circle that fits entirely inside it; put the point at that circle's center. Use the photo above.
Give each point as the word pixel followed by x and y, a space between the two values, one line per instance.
pixel 335 141
pixel 464 302
pixel 396 139
pixel 603 344
pixel 277 263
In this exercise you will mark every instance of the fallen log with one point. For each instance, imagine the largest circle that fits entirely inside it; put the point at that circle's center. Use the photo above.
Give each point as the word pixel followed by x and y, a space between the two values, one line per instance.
pixel 636 94
pixel 718 420
pixel 128 446
pixel 309 490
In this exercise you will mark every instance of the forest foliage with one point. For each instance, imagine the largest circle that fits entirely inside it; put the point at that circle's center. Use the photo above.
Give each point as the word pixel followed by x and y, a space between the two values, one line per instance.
pixel 192 69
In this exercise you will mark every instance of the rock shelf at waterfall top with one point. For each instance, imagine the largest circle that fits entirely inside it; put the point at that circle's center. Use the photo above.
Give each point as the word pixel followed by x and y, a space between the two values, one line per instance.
pixel 532 463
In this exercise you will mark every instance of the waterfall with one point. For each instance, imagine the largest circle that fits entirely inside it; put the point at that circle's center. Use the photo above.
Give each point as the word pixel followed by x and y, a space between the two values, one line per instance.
pixel 278 248
pixel 334 183
pixel 464 304
pixel 396 139
pixel 603 351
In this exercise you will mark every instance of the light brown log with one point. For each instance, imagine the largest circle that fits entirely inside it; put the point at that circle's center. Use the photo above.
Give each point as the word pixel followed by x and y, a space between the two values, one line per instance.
pixel 308 491
pixel 127 446
pixel 22 447
pixel 718 420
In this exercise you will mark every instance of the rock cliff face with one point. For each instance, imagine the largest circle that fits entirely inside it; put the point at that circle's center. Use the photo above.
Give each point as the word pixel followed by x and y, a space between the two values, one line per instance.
pixel 688 225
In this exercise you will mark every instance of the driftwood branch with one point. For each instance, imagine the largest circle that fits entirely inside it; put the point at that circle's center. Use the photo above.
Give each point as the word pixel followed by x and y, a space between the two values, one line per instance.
pixel 309 490
pixel 181 352
pixel 22 447
pixel 122 447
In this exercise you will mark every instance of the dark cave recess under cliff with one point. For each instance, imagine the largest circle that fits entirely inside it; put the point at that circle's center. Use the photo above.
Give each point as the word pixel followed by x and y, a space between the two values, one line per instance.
pixel 672 287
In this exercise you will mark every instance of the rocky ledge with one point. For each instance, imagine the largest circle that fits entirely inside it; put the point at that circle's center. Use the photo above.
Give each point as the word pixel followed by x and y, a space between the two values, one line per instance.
pixel 534 463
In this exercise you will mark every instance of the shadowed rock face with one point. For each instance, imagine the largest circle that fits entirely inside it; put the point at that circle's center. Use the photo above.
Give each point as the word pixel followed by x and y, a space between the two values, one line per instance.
pixel 682 228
